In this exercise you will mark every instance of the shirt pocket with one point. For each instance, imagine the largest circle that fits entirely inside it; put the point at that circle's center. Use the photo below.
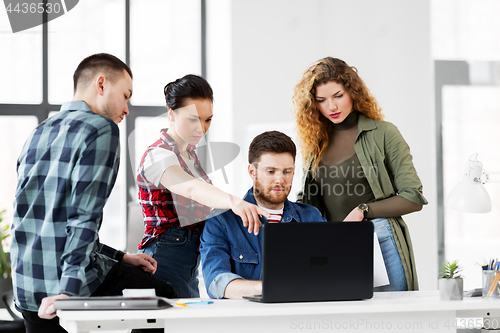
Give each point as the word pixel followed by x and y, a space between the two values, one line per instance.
pixel 172 238
pixel 245 262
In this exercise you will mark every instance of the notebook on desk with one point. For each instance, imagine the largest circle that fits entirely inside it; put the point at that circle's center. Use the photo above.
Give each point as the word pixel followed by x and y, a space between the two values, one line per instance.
pixel 316 261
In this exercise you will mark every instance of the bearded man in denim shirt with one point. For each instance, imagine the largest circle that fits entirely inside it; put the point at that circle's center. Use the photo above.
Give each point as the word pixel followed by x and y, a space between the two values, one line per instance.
pixel 231 256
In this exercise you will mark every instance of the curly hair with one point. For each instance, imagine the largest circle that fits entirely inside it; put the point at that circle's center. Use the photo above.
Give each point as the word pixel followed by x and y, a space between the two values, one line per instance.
pixel 311 125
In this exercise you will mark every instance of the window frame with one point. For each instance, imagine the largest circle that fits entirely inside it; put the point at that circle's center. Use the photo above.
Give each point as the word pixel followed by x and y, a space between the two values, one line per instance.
pixel 42 110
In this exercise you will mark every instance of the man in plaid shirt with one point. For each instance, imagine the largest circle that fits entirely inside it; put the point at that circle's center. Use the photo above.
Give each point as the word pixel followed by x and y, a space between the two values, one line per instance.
pixel 66 172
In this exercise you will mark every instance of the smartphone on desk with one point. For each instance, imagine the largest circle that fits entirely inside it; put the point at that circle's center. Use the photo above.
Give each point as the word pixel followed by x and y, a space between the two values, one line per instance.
pixel 478 292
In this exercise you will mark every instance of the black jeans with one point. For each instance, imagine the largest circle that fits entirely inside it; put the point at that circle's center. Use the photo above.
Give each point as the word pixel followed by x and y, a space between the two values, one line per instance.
pixel 36 324
pixel 121 276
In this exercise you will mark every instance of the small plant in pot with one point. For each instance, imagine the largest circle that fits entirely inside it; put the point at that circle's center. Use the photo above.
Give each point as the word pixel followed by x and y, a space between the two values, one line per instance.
pixel 451 284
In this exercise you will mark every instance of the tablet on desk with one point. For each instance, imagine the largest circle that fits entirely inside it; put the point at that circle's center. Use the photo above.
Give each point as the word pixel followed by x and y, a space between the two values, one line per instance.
pixel 112 303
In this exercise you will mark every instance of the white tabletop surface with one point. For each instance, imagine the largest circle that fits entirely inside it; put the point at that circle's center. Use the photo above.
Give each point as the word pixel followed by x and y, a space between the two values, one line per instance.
pixel 386 302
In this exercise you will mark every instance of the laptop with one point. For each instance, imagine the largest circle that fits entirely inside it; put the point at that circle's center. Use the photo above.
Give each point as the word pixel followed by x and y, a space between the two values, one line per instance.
pixel 316 261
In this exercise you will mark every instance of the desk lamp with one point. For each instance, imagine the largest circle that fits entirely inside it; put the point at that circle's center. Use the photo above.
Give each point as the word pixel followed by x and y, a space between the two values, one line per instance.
pixel 469 195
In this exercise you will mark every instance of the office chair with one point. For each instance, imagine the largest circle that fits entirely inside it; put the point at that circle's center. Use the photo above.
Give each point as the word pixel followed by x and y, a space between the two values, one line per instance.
pixel 17 324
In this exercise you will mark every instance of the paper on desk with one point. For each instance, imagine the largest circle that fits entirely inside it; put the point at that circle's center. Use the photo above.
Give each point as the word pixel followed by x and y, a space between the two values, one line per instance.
pixel 139 292
pixel 380 277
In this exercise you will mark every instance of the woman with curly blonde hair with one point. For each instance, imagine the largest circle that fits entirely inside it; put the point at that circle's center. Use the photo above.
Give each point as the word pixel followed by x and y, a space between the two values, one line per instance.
pixel 357 166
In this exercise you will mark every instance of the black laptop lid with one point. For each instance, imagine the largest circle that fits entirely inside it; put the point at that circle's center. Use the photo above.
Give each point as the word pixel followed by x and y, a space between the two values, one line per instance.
pixel 317 261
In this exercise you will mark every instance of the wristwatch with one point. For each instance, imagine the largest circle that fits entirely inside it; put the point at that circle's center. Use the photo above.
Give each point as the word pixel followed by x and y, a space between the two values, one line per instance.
pixel 364 208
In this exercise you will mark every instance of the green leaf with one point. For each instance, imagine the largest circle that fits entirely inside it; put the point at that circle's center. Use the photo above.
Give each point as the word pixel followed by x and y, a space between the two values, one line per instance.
pixel 451 270
pixel 5 269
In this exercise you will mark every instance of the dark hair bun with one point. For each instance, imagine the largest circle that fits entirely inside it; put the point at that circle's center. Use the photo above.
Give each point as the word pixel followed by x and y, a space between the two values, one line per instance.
pixel 190 86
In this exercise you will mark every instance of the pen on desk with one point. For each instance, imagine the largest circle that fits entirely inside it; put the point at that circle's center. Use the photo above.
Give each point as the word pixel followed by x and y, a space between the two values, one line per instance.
pixel 200 303
pixel 494 284
pixel 181 304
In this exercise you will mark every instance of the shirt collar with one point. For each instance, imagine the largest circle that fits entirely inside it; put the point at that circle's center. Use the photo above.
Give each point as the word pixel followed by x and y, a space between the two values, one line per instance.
pixel 289 213
pixel 365 123
pixel 75 105
pixel 172 144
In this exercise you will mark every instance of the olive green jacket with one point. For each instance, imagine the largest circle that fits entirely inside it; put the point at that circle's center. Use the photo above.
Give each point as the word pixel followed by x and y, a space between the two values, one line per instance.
pixel 387 163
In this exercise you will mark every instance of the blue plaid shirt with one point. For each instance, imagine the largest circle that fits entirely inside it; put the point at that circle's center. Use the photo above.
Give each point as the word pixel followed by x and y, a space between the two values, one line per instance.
pixel 66 171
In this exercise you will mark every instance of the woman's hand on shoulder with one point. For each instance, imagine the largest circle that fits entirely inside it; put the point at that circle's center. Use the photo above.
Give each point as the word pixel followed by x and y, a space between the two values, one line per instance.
pixel 249 214
pixel 355 215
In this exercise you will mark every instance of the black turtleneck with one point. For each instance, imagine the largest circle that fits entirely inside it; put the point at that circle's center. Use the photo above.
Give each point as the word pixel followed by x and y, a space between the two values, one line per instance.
pixel 349 122
pixel 341 137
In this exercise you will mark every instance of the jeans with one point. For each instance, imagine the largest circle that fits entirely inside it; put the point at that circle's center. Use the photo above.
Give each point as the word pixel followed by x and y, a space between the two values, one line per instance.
pixel 121 276
pixel 392 260
pixel 176 252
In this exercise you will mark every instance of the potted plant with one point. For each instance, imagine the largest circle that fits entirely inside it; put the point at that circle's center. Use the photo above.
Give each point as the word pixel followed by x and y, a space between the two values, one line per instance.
pixel 451 284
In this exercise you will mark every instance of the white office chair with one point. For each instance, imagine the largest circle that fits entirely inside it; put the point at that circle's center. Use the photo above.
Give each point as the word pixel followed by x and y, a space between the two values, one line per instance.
pixel 135 226
pixel 17 324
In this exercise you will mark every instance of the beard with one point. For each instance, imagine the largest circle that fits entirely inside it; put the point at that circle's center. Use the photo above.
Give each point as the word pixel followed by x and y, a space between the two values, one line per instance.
pixel 267 198
pixel 106 112
pixel 109 111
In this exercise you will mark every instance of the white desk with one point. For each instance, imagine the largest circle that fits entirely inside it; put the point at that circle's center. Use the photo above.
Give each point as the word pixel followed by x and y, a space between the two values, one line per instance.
pixel 419 311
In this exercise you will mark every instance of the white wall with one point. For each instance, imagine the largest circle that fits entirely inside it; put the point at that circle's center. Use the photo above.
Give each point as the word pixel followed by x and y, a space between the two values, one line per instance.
pixel 257 50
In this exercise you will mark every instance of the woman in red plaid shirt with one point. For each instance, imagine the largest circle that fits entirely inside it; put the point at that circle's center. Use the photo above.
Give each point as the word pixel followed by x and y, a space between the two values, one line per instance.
pixel 175 192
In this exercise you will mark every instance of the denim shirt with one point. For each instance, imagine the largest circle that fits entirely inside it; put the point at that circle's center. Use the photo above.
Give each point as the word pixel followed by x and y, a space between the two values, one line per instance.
pixel 229 251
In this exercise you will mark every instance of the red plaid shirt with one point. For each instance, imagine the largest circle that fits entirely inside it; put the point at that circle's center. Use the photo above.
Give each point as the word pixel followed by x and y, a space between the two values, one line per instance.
pixel 163 209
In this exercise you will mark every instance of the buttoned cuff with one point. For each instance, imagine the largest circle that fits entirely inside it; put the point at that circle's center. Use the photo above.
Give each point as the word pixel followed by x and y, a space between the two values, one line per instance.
pixel 119 256
pixel 218 286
